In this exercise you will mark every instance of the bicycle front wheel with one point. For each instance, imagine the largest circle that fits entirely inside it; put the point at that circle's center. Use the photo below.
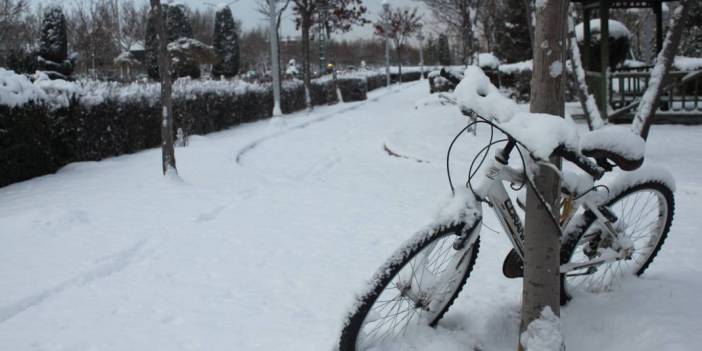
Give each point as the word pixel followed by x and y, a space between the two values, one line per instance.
pixel 643 215
pixel 415 286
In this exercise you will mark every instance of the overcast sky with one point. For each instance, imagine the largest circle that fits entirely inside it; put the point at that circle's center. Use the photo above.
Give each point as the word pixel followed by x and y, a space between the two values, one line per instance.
pixel 245 11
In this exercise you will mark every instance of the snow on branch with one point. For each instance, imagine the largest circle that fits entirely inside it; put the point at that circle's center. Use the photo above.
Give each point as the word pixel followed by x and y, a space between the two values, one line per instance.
pixel 649 103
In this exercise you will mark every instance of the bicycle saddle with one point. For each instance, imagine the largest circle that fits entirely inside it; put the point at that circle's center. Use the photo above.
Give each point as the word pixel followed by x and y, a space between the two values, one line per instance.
pixel 617 144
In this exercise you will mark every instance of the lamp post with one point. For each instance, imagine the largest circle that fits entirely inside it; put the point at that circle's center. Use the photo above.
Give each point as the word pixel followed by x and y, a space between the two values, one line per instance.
pixel 323 10
pixel 275 70
pixel 420 37
pixel 386 29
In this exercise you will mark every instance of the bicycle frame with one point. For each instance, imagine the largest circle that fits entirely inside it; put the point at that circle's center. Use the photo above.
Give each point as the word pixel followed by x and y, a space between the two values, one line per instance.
pixel 491 189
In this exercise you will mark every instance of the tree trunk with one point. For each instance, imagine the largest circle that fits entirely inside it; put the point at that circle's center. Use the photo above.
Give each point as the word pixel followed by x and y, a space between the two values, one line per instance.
pixel 587 101
pixel 167 151
pixel 399 63
pixel 306 55
pixel 651 98
pixel 542 239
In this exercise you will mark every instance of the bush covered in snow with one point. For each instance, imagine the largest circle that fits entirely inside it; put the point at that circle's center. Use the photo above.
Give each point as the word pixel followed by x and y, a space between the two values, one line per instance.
pixel 45 124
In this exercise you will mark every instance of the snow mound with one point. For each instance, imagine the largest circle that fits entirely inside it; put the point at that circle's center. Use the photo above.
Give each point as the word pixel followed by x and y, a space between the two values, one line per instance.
pixel 616 30
pixel 685 63
pixel 543 334
pixel 488 60
pixel 618 139
pixel 542 133
pixel 475 93
pixel 17 90
pixel 517 67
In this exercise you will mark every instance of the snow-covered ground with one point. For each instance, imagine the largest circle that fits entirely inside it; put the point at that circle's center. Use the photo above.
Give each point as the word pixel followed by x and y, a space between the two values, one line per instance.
pixel 275 226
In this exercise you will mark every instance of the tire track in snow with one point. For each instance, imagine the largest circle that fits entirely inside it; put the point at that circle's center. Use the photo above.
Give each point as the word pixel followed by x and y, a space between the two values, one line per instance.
pixel 254 144
pixel 112 264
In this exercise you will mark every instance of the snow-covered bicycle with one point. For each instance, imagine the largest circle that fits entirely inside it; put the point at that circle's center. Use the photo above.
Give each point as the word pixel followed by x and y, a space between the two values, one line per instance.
pixel 609 228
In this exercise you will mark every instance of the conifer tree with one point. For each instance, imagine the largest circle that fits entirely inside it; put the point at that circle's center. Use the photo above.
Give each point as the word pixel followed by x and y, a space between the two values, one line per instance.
pixel 226 44
pixel 443 50
pixel 513 43
pixel 151 46
pixel 177 23
pixel 53 44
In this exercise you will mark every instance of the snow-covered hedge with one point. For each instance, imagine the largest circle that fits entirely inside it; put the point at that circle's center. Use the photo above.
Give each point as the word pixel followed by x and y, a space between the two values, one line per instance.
pixel 45 124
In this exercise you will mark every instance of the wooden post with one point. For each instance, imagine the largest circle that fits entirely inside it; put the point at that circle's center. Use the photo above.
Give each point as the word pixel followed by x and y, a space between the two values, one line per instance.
pixel 587 42
pixel 542 241
pixel 603 85
pixel 658 9
pixel 167 151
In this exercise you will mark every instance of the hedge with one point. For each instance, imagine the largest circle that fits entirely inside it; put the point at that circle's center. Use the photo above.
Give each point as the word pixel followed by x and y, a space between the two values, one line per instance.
pixel 38 137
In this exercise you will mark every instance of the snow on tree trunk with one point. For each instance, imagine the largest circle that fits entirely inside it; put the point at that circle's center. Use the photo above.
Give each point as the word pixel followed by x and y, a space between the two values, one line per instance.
pixel 167 151
pixel 651 98
pixel 226 44
pixel 587 101
pixel 543 334
pixel 541 284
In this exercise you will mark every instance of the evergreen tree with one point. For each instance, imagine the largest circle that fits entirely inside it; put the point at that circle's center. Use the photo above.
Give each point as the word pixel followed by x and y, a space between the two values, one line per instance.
pixel 53 44
pixel 151 46
pixel 177 23
pixel 513 43
pixel 177 26
pixel 444 52
pixel 226 44
pixel 691 43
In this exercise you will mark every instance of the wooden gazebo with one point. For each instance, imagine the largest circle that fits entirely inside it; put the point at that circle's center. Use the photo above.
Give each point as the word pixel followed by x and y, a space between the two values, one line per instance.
pixel 618 92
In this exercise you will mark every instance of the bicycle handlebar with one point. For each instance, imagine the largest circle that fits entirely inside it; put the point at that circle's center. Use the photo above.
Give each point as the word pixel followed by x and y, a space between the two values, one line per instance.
pixel 581 161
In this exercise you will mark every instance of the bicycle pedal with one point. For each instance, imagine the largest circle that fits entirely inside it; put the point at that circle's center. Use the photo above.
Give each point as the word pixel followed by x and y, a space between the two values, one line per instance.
pixel 513 267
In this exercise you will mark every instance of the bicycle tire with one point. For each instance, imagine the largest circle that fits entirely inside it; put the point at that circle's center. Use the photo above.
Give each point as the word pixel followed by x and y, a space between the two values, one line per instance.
pixel 357 318
pixel 666 202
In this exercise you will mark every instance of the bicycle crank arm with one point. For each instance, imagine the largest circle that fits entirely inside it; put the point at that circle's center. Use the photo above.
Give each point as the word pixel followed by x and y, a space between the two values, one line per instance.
pixel 606 257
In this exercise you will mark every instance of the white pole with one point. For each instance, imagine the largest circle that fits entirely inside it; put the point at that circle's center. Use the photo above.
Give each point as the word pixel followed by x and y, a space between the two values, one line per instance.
pixel 420 37
pixel 275 71
pixel 386 25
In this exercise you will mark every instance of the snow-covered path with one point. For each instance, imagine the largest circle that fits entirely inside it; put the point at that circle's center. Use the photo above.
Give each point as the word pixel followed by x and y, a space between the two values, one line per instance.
pixel 275 226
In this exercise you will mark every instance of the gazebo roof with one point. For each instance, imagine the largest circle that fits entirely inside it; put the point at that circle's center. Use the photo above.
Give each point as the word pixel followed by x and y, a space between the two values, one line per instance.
pixel 623 3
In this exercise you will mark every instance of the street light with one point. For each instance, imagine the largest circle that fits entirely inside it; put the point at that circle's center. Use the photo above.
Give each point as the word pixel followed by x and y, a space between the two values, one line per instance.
pixel 386 30
pixel 323 36
pixel 420 37
pixel 275 70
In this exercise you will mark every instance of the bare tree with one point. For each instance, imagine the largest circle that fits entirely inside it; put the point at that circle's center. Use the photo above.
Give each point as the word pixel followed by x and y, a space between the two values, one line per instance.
pixel 344 14
pixel 459 17
pixel 541 282
pixel 133 26
pixel 10 13
pixel 400 24
pixel 649 103
pixel 167 152
pixel 92 35
pixel 202 22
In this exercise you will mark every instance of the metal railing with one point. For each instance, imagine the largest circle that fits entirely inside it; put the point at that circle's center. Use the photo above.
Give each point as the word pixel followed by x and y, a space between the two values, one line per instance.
pixel 682 92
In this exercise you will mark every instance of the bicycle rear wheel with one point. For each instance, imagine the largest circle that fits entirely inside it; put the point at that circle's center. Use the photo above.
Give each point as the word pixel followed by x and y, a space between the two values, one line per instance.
pixel 417 285
pixel 644 213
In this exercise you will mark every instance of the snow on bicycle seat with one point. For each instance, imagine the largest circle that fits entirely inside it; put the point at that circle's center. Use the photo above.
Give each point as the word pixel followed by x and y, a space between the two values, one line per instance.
pixel 618 144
